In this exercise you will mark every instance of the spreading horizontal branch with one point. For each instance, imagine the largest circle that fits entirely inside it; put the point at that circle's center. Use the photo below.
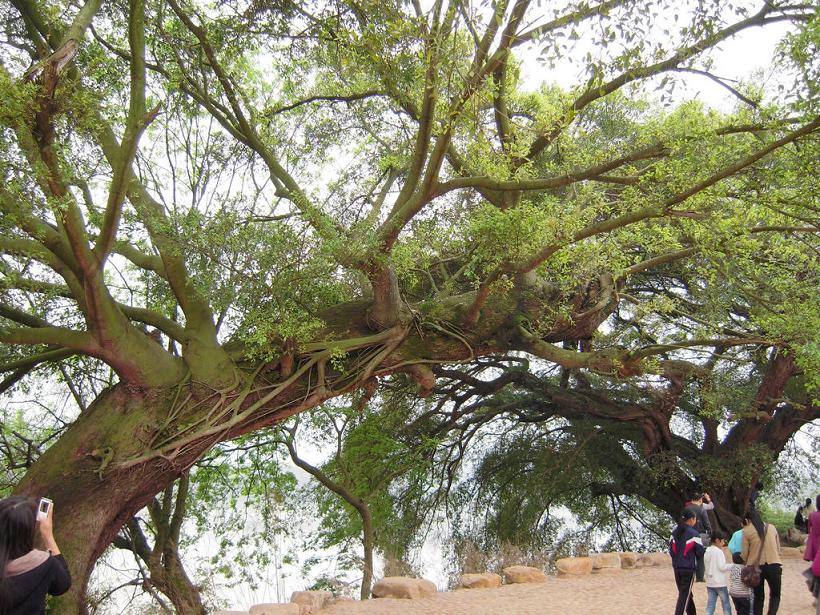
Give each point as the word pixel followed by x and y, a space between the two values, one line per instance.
pixel 19 316
pixel 575 17
pixel 598 90
pixel 27 363
pixel 324 98
pixel 50 336
pixel 590 173
pixel 662 259
pixel 622 361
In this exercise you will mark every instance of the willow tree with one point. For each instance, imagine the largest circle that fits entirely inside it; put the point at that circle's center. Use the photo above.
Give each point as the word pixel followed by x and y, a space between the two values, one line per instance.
pixel 248 208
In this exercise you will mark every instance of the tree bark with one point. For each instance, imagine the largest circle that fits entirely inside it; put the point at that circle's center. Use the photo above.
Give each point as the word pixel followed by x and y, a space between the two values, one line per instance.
pixel 367 543
pixel 166 571
pixel 359 504
pixel 92 501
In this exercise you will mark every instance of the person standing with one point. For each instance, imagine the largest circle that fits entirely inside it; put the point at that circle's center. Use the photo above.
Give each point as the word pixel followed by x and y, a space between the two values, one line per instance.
pixel 717 584
pixel 812 553
pixel 808 508
pixel 700 504
pixel 28 574
pixel 686 548
pixel 740 591
pixel 799 520
pixel 813 540
pixel 815 584
pixel 761 547
pixel 736 545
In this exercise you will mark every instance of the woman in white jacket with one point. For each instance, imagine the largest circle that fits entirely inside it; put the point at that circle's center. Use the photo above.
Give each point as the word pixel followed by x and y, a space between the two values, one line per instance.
pixel 715 569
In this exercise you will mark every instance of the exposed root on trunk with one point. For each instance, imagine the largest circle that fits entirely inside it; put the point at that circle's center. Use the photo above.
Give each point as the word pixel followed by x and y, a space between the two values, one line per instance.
pixel 323 371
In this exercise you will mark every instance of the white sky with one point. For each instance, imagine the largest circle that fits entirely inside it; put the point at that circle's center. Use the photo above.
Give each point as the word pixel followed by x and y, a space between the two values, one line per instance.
pixel 738 58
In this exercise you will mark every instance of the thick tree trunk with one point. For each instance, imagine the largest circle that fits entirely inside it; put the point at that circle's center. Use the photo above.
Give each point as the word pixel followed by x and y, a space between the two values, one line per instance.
pixel 175 583
pixel 95 494
pixel 728 512
pixel 367 543
pixel 92 501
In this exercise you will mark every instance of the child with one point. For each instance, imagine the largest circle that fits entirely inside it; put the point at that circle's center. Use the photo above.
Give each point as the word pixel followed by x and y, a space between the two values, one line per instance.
pixel 740 593
pixel 715 568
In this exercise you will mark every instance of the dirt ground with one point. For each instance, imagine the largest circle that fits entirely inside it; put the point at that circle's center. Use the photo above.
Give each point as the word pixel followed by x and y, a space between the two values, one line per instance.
pixel 645 591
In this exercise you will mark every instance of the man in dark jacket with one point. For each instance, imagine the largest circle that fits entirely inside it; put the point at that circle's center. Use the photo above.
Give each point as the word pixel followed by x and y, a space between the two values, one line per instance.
pixel 700 504
pixel 686 549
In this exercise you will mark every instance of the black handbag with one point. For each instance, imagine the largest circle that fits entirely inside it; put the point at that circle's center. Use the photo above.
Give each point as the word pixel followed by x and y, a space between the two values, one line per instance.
pixel 750 575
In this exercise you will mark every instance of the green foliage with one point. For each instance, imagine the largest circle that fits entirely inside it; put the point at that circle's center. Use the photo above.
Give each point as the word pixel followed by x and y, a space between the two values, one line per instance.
pixel 739 469
pixel 292 152
pixel 375 464
pixel 781 519
pixel 800 51
pixel 244 499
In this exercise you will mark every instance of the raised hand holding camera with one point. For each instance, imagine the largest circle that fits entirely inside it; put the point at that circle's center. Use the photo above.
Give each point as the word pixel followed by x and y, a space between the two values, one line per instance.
pixel 43 508
pixel 45 524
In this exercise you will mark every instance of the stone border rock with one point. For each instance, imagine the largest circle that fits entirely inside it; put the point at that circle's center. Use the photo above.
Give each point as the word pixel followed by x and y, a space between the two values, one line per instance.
pixel 523 574
pixel 602 561
pixel 479 580
pixel 403 587
pixel 310 602
pixel 574 566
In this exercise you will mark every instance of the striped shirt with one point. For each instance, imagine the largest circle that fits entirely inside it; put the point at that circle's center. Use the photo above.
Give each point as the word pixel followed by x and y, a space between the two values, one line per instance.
pixel 736 586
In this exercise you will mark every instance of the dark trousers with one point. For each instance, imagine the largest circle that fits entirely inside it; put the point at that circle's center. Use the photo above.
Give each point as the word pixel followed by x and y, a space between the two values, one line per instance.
pixel 771 574
pixel 742 605
pixel 684 579
pixel 701 569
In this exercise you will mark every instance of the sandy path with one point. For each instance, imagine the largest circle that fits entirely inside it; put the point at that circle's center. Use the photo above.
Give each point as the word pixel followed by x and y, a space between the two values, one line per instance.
pixel 646 591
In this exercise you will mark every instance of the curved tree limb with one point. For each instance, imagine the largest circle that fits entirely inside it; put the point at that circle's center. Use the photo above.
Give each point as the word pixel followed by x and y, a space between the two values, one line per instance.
pixel 596 91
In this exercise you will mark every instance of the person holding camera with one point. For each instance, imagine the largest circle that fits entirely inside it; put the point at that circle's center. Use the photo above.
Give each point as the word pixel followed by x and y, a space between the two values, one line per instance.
pixel 28 574
pixel 700 504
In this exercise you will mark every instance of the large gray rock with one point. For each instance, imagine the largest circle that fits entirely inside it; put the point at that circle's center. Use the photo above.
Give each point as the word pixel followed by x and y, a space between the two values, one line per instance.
pixel 403 587
pixel 606 560
pixel 479 580
pixel 313 601
pixel 523 574
pixel 574 566
pixel 795 536
pixel 276 609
